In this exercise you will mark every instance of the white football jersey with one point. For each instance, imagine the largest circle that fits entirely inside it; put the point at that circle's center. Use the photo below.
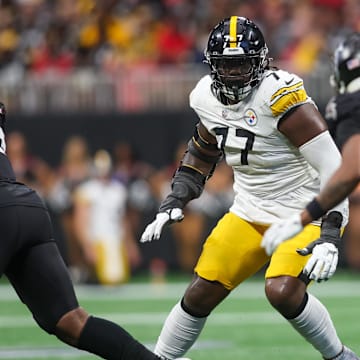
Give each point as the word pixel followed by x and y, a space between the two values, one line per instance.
pixel 107 201
pixel 272 179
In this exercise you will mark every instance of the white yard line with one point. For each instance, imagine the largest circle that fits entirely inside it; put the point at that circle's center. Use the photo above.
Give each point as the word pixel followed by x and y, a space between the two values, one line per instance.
pixel 42 353
pixel 135 292
pixel 247 290
pixel 223 319
pixel 64 351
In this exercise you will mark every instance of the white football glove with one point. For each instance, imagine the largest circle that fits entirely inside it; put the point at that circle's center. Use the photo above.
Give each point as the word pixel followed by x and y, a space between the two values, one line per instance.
pixel 154 229
pixel 323 261
pixel 279 232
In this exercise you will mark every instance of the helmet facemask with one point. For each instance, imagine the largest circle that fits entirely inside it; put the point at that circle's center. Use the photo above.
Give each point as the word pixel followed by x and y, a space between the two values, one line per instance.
pixel 235 76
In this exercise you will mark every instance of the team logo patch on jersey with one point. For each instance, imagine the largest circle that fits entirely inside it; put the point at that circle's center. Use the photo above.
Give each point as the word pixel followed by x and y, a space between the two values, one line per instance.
pixel 225 113
pixel 250 117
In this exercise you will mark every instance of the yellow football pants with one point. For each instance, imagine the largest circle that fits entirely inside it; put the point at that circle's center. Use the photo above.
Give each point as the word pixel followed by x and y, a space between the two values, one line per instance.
pixel 232 252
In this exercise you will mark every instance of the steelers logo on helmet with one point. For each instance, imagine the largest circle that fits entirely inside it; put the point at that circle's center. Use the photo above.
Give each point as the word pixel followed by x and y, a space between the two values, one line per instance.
pixel 237 55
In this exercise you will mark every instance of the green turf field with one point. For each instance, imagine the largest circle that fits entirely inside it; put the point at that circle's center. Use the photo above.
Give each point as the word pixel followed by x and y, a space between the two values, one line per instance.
pixel 243 327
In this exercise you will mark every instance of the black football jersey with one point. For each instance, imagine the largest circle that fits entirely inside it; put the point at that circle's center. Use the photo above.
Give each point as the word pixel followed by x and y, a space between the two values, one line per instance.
pixel 343 116
pixel 11 191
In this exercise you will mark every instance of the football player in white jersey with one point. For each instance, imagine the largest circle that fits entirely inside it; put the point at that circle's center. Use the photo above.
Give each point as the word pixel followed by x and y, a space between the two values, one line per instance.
pixel 269 130
pixel 101 224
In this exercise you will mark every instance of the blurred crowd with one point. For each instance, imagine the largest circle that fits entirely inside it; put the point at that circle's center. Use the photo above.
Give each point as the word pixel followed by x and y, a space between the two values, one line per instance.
pixel 57 36
pixel 100 203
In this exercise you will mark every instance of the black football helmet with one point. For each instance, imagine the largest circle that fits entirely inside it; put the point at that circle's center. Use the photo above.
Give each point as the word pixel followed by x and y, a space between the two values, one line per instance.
pixel 346 62
pixel 237 55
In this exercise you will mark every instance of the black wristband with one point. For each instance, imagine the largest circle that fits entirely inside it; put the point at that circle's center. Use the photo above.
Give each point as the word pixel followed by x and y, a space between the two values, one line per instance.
pixel 314 209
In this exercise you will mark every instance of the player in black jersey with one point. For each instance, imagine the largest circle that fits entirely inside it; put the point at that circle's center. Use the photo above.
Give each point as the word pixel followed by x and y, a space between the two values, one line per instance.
pixel 343 115
pixel 31 260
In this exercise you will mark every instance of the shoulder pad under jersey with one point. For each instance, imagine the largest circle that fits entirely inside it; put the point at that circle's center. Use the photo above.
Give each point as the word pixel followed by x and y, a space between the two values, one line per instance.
pixel 282 91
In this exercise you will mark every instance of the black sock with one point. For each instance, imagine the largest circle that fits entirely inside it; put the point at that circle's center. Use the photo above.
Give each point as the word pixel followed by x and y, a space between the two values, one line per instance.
pixel 110 341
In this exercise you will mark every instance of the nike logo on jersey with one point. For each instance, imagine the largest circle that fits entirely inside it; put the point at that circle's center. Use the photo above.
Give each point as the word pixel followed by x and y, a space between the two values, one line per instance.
pixel 289 82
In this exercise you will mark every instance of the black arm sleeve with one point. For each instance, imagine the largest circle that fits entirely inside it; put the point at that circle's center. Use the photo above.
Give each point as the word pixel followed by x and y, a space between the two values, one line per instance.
pixel 187 184
pixel 330 227
pixel 330 232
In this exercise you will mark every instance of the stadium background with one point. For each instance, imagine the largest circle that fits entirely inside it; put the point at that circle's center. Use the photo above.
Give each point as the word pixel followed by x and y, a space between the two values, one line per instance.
pixel 120 72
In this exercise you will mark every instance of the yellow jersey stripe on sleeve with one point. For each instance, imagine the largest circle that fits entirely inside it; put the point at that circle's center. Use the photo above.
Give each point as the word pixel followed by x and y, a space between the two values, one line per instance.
pixel 286 89
pixel 286 98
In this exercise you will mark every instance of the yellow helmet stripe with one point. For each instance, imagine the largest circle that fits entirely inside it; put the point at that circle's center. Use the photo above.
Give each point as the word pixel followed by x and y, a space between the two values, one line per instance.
pixel 233 26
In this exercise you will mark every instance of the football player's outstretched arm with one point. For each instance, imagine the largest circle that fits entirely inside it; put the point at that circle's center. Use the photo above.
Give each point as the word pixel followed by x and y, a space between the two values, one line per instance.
pixel 306 129
pixel 318 151
pixel 195 169
pixel 302 124
pixel 340 185
pixel 322 264
pixel 341 182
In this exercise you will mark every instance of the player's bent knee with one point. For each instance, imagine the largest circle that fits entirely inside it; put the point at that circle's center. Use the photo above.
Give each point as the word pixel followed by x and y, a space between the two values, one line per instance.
pixel 285 293
pixel 47 325
pixel 70 326
pixel 202 296
pixel 51 323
